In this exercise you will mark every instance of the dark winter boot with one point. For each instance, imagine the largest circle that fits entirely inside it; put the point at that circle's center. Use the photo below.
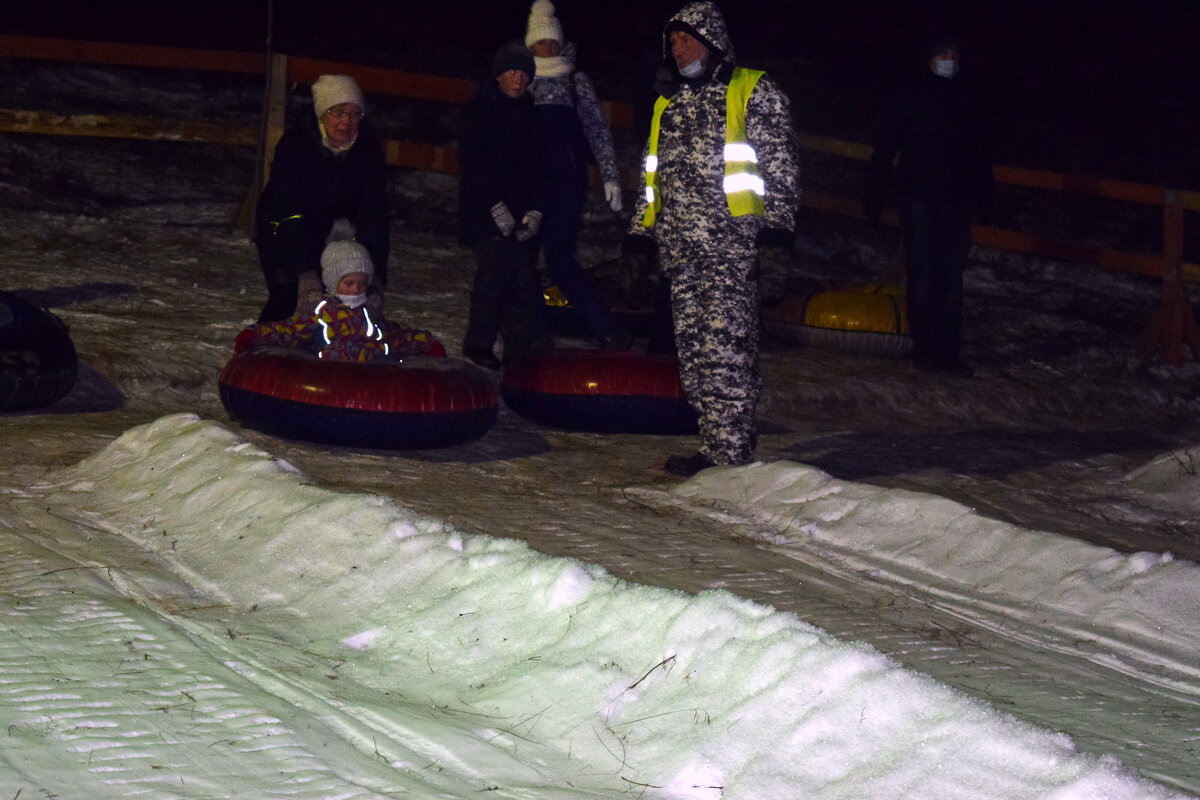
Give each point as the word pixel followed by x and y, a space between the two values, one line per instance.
pixel 687 466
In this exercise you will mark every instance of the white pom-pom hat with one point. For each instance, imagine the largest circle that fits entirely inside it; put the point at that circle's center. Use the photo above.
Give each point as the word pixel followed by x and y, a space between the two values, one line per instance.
pixel 542 24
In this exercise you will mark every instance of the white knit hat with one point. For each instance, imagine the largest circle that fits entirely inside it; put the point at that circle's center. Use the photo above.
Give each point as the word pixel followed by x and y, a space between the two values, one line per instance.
pixel 331 90
pixel 342 256
pixel 542 24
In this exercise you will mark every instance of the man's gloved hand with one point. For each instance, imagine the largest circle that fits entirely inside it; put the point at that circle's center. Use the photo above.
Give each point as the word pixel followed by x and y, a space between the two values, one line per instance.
pixel 530 223
pixel 506 223
pixel 774 268
pixel 612 196
pixel 634 280
pixel 308 291
pixel 774 271
pixel 244 340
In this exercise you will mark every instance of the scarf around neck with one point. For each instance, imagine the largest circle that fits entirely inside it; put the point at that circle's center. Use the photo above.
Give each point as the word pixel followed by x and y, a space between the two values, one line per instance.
pixel 553 66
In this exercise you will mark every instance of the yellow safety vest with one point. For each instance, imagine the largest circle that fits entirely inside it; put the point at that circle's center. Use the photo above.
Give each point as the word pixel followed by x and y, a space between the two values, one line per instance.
pixel 744 187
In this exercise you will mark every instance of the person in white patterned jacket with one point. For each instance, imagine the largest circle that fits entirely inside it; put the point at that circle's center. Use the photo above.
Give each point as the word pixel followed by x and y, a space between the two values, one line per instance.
pixel 571 124
pixel 721 184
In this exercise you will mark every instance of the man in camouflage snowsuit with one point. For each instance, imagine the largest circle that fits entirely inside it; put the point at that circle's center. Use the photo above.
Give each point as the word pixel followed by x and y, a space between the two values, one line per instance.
pixel 721 182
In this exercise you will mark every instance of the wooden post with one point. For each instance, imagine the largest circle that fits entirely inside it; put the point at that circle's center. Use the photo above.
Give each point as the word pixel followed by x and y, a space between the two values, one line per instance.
pixel 1173 323
pixel 277 96
pixel 273 123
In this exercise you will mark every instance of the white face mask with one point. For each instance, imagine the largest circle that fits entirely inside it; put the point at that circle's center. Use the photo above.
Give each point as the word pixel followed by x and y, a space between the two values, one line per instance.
pixel 353 300
pixel 945 67
pixel 692 70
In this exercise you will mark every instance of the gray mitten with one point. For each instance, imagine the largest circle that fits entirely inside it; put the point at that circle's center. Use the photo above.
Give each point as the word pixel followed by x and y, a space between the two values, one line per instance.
pixel 530 224
pixel 505 222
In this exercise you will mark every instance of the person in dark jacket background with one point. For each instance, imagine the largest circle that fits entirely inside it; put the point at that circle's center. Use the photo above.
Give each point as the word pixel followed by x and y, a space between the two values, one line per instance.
pixel 944 182
pixel 328 167
pixel 500 209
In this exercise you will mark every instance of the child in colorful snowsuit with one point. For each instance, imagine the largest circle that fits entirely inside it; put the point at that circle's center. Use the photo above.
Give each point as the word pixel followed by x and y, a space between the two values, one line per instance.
pixel 339 326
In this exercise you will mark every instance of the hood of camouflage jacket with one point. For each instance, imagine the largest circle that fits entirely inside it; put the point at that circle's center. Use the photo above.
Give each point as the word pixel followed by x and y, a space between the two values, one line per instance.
pixel 702 20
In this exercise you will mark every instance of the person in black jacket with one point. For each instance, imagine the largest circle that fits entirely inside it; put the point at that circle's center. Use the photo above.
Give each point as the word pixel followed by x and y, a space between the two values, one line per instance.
pixel 500 209
pixel 944 177
pixel 328 167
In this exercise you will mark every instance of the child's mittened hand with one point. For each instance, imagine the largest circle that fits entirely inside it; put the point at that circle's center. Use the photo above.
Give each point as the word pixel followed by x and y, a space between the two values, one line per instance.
pixel 244 340
pixel 506 223
pixel 436 349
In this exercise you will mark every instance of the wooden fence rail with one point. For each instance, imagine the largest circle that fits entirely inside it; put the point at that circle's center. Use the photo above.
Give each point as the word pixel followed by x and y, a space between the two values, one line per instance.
pixel 1171 327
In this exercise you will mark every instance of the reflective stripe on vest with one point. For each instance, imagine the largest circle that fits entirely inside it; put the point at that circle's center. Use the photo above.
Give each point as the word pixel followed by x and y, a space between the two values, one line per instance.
pixel 743 186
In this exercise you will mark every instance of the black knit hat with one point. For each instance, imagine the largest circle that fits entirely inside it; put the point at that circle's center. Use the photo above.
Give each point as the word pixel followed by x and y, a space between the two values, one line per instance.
pixel 513 55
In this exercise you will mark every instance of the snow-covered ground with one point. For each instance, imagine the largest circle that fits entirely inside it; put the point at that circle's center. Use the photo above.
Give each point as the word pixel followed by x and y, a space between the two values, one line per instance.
pixel 928 588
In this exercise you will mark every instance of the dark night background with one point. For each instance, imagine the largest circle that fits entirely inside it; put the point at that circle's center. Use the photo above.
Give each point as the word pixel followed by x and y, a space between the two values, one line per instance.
pixel 1106 87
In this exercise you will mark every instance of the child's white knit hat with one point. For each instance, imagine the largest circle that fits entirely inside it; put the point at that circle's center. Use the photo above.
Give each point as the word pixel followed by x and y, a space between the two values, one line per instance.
pixel 342 256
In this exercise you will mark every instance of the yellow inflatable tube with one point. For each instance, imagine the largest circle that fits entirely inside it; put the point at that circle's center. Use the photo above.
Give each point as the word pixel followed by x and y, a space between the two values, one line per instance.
pixel 868 319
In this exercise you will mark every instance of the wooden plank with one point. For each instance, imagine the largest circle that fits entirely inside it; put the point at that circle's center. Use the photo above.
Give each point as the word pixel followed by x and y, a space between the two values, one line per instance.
pixel 130 55
pixel 1018 242
pixel 124 127
pixel 418 155
pixel 620 115
pixel 1081 184
pixel 1116 260
pixel 836 147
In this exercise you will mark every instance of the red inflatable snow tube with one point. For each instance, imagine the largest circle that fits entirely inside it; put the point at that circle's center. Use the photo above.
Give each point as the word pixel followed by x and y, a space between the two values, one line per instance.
pixel 600 391
pixel 420 402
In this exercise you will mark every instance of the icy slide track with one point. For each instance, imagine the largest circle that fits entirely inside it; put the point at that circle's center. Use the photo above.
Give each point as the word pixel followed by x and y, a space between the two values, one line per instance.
pixel 182 615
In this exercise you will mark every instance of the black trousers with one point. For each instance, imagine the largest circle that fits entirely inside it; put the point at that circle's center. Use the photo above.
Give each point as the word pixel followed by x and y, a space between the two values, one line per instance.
pixel 506 297
pixel 282 284
pixel 937 240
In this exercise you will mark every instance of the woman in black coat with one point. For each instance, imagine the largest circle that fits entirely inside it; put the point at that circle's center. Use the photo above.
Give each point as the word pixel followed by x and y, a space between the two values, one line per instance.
pixel 328 167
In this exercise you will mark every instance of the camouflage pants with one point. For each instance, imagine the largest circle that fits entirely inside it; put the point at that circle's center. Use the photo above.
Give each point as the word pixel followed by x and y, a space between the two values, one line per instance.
pixel 716 334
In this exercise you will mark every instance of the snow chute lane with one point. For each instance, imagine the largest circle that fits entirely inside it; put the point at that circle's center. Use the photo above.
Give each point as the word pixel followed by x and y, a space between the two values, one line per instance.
pixel 418 403
pixel 600 391
pixel 38 364
pixel 859 319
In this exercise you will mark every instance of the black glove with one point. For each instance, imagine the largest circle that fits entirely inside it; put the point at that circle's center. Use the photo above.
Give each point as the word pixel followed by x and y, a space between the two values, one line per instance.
pixel 774 273
pixel 634 280
pixel 774 267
